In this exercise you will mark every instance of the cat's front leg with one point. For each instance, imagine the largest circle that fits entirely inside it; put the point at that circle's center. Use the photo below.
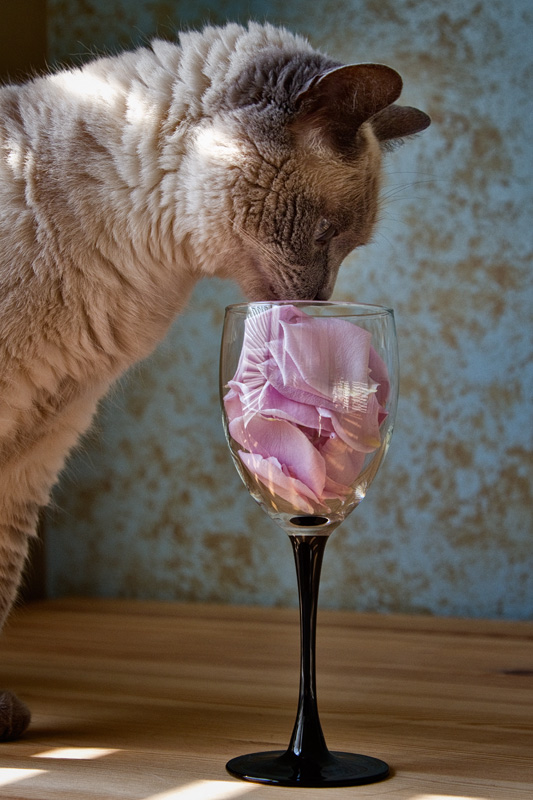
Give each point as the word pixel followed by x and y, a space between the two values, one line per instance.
pixel 14 714
pixel 27 480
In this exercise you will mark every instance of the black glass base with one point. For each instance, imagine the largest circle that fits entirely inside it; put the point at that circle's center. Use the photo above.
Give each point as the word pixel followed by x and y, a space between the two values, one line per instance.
pixel 284 768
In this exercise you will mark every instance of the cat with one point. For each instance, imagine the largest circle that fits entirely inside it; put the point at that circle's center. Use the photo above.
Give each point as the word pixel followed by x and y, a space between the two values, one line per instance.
pixel 239 152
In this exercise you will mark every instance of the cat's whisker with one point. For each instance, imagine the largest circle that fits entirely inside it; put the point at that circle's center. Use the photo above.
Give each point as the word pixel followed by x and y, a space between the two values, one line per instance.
pixel 393 189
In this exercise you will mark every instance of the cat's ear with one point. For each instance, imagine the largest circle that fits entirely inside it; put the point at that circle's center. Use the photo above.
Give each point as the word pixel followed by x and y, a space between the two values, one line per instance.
pixel 335 104
pixel 396 122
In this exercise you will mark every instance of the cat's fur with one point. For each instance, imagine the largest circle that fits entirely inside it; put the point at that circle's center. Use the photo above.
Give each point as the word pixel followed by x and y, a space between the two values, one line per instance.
pixel 241 153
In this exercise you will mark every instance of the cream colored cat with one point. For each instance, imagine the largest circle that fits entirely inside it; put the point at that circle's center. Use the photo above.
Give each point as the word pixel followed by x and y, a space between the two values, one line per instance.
pixel 241 153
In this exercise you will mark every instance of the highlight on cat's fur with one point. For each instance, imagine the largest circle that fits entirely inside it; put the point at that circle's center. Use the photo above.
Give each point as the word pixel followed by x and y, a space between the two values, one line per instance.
pixel 240 152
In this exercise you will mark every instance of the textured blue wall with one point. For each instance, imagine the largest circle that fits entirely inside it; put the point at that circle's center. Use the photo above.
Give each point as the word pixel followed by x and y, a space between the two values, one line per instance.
pixel 152 506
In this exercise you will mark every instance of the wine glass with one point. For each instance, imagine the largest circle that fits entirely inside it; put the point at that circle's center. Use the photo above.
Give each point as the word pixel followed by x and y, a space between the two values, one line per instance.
pixel 308 394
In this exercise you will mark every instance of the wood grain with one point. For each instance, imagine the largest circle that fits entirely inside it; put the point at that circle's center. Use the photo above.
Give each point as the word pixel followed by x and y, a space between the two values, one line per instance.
pixel 147 701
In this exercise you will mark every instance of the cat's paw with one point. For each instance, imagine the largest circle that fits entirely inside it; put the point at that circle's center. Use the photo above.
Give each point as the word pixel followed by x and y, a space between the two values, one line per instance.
pixel 15 717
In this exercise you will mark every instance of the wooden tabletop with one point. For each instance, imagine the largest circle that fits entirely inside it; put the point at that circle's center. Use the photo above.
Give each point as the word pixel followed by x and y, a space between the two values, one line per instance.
pixel 147 701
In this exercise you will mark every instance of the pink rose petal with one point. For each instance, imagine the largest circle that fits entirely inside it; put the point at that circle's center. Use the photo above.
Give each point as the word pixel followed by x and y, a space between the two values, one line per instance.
pixel 343 464
pixel 321 361
pixel 380 375
pixel 259 330
pixel 271 474
pixel 360 430
pixel 233 403
pixel 267 437
pixel 272 403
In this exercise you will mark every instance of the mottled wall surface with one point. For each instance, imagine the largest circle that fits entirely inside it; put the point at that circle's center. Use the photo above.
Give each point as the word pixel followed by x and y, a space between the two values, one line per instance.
pixel 153 507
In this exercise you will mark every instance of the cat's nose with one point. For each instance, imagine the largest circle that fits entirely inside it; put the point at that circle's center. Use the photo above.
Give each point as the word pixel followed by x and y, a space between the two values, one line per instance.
pixel 324 293
pixel 328 283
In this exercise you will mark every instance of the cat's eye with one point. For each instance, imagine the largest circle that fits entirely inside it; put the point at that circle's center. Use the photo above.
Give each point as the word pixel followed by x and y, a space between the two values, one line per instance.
pixel 325 231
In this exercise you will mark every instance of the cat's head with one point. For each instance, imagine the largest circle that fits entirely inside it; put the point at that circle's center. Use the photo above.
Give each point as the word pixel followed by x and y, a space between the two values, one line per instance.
pixel 300 140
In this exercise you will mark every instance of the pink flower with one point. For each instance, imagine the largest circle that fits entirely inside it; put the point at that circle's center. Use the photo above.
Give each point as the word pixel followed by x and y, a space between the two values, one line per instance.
pixel 306 404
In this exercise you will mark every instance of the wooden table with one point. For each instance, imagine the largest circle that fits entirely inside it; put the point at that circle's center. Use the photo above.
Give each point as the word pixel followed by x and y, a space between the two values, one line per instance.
pixel 147 701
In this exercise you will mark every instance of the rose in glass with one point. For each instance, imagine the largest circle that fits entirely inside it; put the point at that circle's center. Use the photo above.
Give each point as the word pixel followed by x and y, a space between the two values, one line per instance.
pixel 306 404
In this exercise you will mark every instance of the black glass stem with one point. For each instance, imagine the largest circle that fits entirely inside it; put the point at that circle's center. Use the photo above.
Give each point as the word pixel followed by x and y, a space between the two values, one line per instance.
pixel 307 760
pixel 307 740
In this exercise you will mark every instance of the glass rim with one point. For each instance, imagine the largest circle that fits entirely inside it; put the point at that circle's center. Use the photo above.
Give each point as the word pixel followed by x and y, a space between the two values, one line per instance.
pixel 365 309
